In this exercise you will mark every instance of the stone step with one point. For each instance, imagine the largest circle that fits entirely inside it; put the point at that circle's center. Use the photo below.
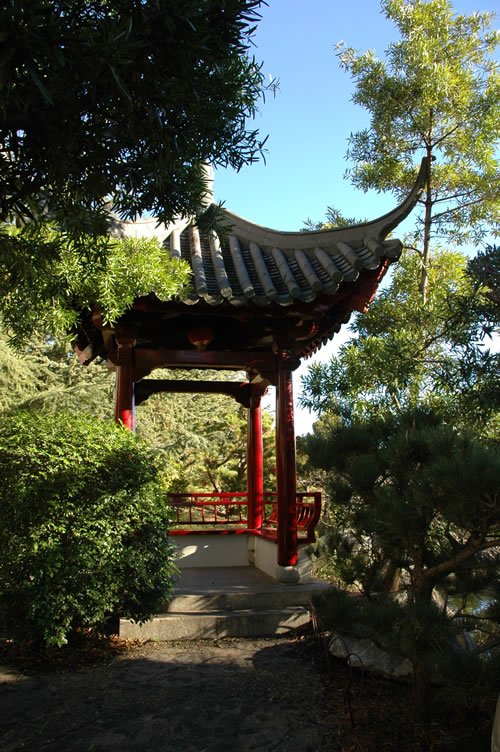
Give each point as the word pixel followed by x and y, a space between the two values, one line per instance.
pixel 217 624
pixel 227 602
pixel 219 588
pixel 186 602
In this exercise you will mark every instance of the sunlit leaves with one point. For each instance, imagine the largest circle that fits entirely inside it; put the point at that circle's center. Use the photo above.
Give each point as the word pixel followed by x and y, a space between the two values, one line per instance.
pixel 400 348
pixel 47 278
pixel 84 525
pixel 436 94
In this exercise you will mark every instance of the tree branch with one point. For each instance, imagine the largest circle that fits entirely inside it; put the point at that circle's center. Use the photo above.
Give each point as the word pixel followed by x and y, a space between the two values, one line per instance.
pixel 412 248
pixel 469 550
pixel 453 196
pixel 446 135
pixel 456 209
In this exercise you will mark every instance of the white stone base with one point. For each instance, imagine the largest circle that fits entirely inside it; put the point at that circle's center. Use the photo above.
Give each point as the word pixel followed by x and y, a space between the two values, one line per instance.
pixel 265 555
pixel 265 558
pixel 240 550
pixel 211 550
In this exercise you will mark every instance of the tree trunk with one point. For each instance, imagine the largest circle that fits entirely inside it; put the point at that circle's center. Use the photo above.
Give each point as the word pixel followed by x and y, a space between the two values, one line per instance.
pixel 424 275
pixel 421 593
pixel 392 578
pixel 420 708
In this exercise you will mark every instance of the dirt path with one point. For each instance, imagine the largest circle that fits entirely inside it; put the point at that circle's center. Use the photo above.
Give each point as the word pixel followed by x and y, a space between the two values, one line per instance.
pixel 240 695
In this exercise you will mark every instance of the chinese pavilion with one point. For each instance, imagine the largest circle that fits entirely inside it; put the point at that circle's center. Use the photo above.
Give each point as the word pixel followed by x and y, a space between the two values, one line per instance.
pixel 261 300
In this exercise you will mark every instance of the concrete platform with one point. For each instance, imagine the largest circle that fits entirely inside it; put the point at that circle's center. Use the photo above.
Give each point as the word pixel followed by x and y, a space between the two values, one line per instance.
pixel 227 602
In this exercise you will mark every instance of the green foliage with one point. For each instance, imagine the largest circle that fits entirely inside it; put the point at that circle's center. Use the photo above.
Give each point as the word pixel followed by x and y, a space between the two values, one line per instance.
pixel 200 438
pixel 84 526
pixel 203 437
pixel 417 632
pixel 405 354
pixel 400 482
pixel 414 501
pixel 46 377
pixel 112 107
pixel 436 94
pixel 484 270
pixel 415 510
pixel 123 100
pixel 47 279
pixel 475 371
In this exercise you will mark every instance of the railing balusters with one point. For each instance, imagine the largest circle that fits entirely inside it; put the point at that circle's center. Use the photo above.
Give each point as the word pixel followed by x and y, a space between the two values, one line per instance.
pixel 225 510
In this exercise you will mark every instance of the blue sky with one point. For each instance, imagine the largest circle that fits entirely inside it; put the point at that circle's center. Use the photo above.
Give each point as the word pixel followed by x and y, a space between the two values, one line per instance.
pixel 309 120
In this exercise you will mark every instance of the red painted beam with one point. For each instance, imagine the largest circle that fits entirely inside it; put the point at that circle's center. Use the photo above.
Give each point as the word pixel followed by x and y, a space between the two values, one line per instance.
pixel 285 470
pixel 147 358
pixel 255 464
pixel 145 388
pixel 124 390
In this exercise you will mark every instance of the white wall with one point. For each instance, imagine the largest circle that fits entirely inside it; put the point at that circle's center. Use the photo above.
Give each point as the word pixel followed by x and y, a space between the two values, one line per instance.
pixel 236 551
pixel 211 550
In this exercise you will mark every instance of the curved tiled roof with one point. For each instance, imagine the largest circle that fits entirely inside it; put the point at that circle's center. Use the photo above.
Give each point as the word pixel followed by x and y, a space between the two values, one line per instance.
pixel 240 271
pixel 259 291
pixel 251 265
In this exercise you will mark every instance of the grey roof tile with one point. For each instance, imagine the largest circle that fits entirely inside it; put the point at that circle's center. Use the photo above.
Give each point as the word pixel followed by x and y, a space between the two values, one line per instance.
pixel 254 265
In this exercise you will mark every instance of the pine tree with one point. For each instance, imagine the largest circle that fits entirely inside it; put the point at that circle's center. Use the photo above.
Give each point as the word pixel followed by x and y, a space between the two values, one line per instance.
pixel 415 512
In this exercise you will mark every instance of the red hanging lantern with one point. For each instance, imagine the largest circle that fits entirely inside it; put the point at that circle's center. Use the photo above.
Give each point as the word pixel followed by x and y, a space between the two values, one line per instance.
pixel 201 337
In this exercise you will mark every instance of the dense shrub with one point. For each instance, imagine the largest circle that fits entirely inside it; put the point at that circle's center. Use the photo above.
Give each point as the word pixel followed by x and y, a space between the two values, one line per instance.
pixel 84 526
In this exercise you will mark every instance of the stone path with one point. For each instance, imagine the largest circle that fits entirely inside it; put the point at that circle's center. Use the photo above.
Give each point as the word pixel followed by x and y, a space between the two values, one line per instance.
pixel 261 695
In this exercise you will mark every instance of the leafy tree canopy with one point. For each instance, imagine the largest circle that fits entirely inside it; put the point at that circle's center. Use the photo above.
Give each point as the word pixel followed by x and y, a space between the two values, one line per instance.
pixel 484 271
pixel 112 106
pixel 436 94
pixel 46 377
pixel 425 339
pixel 405 354
pixel 122 99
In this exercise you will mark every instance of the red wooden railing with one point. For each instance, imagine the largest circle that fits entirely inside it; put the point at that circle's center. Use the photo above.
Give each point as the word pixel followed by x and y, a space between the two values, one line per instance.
pixel 208 508
pixel 224 512
pixel 307 512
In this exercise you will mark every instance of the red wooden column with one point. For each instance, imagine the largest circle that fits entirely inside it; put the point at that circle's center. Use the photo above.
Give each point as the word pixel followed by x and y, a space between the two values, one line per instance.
pixel 124 389
pixel 285 470
pixel 255 463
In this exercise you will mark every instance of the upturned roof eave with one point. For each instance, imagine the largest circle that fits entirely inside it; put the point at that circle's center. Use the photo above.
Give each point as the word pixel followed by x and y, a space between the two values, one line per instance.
pixel 284 240
pixel 378 229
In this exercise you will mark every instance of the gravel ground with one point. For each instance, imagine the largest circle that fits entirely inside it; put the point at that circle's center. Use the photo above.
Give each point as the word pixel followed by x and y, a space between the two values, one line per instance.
pixel 261 695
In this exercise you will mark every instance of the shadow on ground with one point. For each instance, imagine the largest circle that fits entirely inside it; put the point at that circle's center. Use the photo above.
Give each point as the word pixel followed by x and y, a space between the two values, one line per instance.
pixel 260 695
pixel 243 695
